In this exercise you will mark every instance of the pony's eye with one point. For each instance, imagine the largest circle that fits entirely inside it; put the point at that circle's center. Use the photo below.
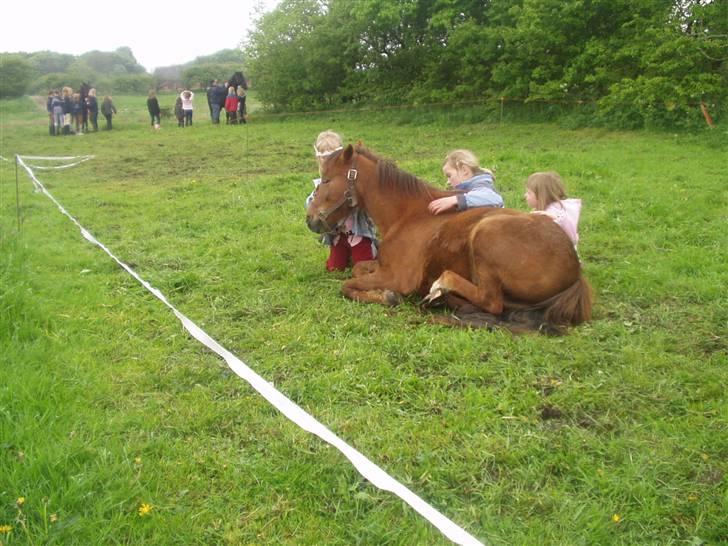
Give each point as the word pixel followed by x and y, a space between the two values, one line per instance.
pixel 325 180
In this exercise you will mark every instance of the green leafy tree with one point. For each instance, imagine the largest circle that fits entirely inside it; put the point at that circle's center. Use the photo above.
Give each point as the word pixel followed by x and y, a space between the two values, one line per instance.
pixel 46 82
pixel 674 67
pixel 120 61
pixel 224 56
pixel 282 57
pixel 644 63
pixel 15 75
pixel 131 84
pixel 395 44
pixel 45 62
pixel 467 42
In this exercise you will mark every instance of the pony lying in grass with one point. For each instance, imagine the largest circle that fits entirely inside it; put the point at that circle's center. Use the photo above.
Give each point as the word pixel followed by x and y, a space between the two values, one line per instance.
pixel 491 266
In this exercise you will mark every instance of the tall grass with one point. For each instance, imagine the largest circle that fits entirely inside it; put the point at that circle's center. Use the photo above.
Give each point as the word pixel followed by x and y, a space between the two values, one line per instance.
pixel 613 434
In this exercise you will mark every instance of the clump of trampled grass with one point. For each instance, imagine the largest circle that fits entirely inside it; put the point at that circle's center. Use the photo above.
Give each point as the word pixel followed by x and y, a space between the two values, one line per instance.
pixel 126 430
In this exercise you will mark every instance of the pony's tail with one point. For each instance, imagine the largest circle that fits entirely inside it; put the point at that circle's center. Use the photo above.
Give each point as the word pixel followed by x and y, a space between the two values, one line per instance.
pixel 572 306
pixel 549 317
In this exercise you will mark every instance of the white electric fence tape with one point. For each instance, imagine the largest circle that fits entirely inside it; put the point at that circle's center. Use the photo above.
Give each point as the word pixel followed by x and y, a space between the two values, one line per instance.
pixel 80 159
pixel 378 477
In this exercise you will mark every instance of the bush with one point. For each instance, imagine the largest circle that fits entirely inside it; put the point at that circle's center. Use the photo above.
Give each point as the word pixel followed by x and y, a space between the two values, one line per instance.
pixel 15 75
pixel 55 80
pixel 658 102
pixel 131 84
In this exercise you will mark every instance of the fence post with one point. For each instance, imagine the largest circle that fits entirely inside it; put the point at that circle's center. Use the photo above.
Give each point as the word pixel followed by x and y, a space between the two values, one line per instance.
pixel 706 115
pixel 17 193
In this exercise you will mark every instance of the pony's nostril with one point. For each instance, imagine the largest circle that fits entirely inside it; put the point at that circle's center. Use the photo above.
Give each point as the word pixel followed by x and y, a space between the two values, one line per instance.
pixel 313 224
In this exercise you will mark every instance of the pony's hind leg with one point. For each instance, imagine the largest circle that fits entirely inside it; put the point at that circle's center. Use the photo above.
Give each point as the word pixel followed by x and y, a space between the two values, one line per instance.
pixel 486 295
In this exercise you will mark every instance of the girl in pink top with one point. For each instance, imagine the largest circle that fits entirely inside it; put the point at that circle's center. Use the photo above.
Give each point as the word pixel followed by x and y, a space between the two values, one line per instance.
pixel 545 194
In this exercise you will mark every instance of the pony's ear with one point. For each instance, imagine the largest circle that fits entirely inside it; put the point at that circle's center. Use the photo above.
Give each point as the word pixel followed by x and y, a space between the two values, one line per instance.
pixel 348 152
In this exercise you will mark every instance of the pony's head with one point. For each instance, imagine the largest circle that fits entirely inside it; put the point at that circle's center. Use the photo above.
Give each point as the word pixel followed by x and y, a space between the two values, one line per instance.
pixel 335 196
pixel 238 79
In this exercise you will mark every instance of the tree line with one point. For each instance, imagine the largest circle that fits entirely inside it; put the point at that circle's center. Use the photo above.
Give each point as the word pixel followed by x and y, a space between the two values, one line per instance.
pixel 111 72
pixel 646 63
pixel 651 63
pixel 40 71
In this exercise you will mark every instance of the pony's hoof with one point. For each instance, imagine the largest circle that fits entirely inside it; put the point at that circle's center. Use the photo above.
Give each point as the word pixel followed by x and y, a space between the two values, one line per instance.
pixel 433 298
pixel 392 298
pixel 436 296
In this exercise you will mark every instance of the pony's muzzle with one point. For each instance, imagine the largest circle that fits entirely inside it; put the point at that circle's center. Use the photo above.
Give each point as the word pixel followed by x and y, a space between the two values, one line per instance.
pixel 315 224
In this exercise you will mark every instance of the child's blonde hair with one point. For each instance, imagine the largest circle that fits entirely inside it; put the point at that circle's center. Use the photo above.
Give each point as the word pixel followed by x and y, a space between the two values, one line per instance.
pixel 547 187
pixel 152 94
pixel 231 89
pixel 327 143
pixel 465 158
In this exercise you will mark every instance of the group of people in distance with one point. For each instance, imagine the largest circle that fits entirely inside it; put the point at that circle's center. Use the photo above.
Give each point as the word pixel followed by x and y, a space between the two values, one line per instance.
pixel 356 240
pixel 229 98
pixel 182 109
pixel 220 98
pixel 70 113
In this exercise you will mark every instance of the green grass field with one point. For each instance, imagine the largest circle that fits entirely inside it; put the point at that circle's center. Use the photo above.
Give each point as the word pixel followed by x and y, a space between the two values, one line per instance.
pixel 117 428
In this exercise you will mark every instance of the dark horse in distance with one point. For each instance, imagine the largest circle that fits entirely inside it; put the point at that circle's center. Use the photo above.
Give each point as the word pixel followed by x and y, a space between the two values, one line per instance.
pixel 83 93
pixel 492 266
pixel 239 80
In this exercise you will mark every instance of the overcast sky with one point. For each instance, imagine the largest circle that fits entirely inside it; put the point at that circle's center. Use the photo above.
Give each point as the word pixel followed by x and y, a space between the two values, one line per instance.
pixel 159 32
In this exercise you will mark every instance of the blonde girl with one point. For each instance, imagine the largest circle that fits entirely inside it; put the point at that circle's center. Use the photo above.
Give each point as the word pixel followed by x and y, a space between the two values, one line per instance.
pixel 463 172
pixel 545 194
pixel 327 143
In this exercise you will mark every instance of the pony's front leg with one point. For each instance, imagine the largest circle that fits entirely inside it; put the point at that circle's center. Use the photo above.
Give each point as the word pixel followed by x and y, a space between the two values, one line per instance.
pixel 367 267
pixel 371 288
pixel 487 294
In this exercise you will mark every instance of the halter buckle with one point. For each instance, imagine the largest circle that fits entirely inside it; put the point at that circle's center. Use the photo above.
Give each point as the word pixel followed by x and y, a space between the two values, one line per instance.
pixel 352 174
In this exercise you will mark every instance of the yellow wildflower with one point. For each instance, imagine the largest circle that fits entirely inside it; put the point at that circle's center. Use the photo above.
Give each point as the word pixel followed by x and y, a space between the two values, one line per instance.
pixel 144 509
pixel 616 518
pixel 20 502
pixel 137 460
pixel 53 517
pixel 5 528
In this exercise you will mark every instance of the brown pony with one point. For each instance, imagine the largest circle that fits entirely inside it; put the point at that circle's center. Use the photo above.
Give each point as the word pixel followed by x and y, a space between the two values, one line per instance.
pixel 493 266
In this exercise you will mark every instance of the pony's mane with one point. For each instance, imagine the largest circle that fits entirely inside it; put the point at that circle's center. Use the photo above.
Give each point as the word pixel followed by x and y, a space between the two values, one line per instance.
pixel 392 178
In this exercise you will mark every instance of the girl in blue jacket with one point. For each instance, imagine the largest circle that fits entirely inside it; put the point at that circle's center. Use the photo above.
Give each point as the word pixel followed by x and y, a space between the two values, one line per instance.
pixel 463 172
